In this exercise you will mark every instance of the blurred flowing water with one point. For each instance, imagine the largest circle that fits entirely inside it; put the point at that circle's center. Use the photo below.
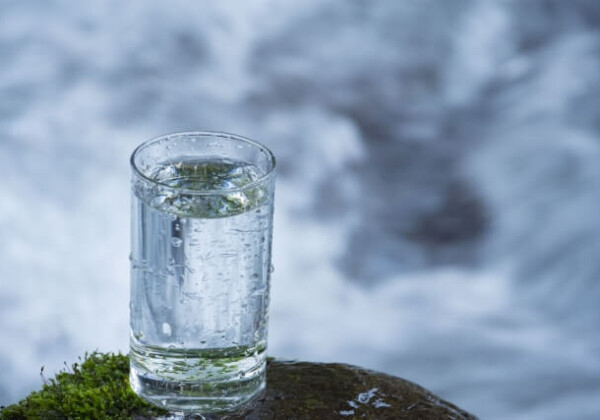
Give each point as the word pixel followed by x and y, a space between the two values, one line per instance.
pixel 436 210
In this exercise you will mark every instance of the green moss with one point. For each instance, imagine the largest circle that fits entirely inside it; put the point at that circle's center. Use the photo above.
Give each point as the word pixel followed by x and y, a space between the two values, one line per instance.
pixel 96 388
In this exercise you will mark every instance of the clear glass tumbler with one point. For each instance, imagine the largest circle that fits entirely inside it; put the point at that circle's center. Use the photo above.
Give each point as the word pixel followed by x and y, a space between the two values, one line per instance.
pixel 202 212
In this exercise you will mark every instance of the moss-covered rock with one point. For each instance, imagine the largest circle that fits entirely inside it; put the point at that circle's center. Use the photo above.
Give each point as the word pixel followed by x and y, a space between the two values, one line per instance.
pixel 98 388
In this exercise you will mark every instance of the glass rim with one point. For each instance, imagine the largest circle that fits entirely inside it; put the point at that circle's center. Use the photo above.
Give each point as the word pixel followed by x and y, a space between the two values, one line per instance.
pixel 204 134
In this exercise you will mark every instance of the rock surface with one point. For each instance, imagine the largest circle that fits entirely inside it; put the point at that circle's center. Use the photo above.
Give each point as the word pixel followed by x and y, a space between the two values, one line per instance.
pixel 301 390
pixel 98 388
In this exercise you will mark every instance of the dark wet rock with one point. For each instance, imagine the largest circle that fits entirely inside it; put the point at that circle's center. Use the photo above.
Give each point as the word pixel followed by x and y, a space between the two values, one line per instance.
pixel 301 390
pixel 98 388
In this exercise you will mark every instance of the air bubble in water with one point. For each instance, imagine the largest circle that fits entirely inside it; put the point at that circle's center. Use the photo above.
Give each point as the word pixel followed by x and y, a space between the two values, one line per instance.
pixel 176 242
pixel 166 328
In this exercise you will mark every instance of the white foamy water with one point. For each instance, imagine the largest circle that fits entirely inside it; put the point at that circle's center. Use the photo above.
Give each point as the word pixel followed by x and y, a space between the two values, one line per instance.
pixel 435 202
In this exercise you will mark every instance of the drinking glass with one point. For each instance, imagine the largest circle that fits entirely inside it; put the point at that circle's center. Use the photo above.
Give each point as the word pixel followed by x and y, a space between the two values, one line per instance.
pixel 202 213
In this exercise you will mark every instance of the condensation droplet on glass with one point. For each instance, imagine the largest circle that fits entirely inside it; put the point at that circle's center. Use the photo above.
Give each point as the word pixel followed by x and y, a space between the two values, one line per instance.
pixel 166 328
pixel 176 242
pixel 158 201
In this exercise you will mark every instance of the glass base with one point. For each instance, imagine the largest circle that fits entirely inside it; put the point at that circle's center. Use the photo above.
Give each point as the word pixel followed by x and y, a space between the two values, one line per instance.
pixel 198 397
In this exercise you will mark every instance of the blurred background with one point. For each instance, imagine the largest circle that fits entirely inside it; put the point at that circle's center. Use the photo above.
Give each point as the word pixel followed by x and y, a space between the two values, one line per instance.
pixel 438 187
